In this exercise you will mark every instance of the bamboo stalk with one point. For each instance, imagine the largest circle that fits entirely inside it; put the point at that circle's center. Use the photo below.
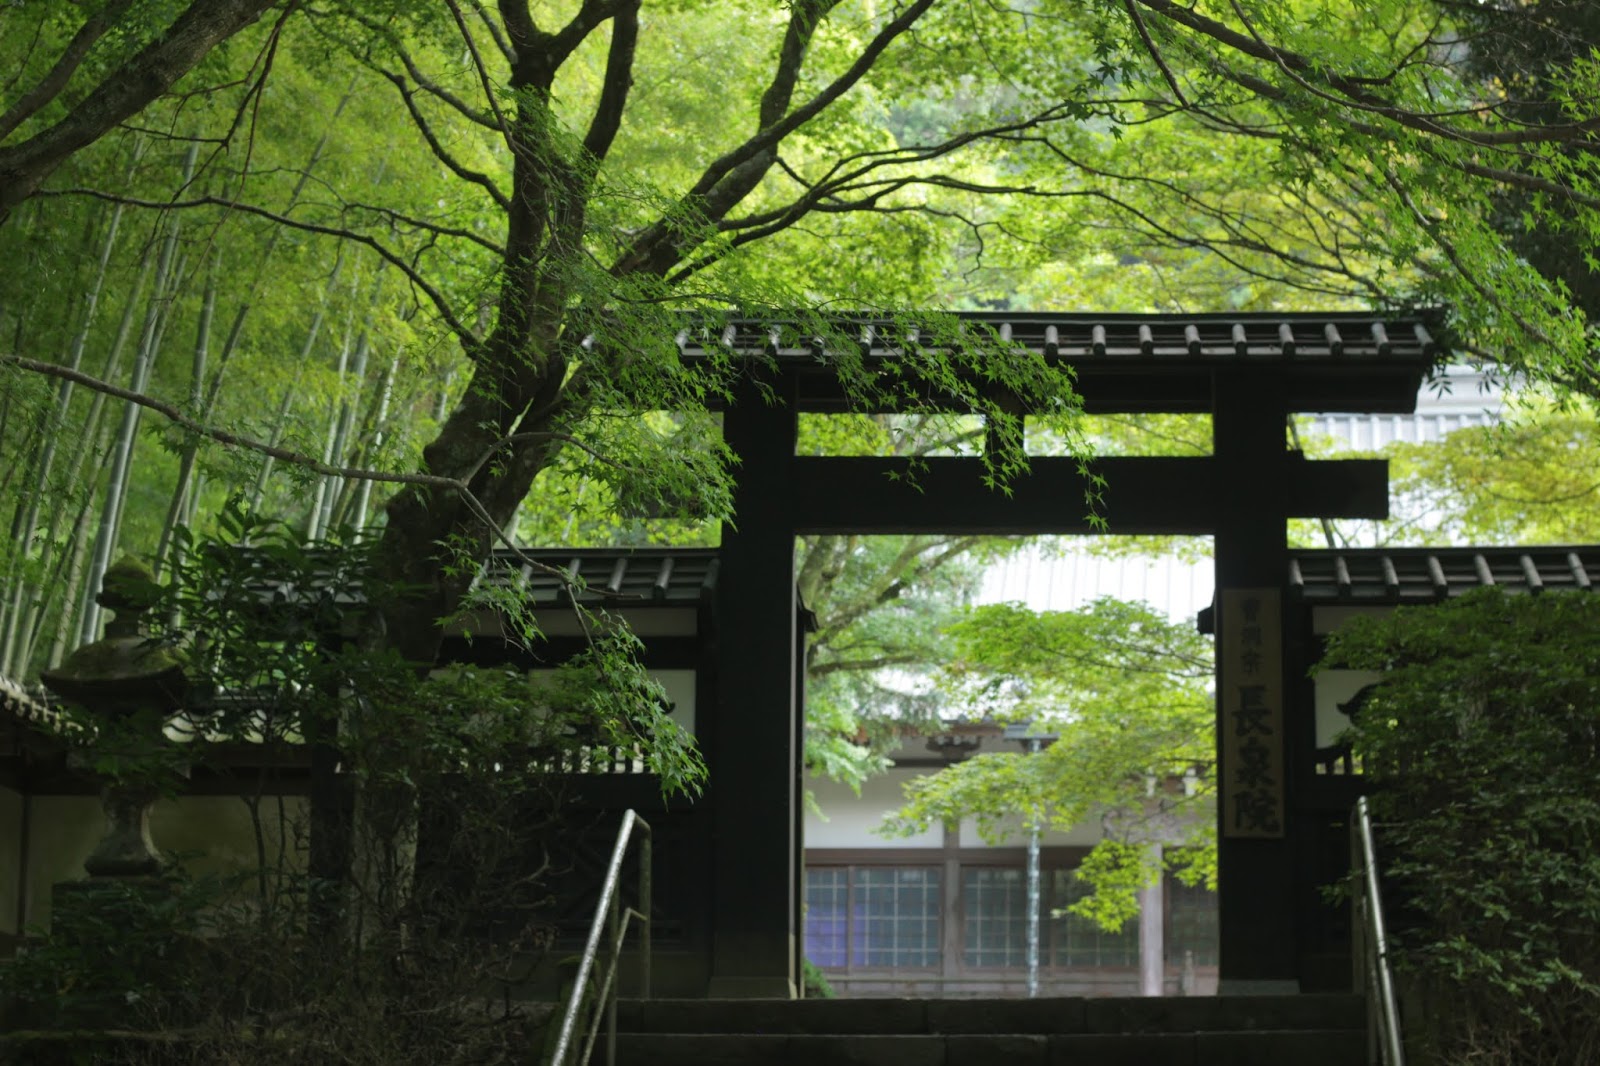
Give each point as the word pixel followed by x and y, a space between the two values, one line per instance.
pixel 42 594
pixel 186 492
pixel 144 360
pixel 242 312
pixel 156 346
pixel 364 488
pixel 80 341
pixel 70 620
pixel 49 429
pixel 314 519
pixel 441 402
pixel 278 427
pixel 338 488
pixel 56 577
pixel 33 432
pixel 181 491
pixel 336 499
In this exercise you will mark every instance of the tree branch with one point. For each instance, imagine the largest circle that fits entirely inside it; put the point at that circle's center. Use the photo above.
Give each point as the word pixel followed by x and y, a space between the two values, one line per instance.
pixel 478 118
pixel 56 78
pixel 316 466
pixel 125 91
pixel 879 662
pixel 618 80
pixel 593 12
pixel 1354 91
pixel 468 340
pixel 501 41
pixel 222 436
pixel 440 152
pixel 1155 53
pixel 521 30
pixel 732 176
pixel 484 80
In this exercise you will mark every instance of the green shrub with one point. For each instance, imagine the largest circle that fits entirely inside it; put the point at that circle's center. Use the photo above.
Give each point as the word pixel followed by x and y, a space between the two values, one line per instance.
pixel 1483 743
pixel 816 982
pixel 408 938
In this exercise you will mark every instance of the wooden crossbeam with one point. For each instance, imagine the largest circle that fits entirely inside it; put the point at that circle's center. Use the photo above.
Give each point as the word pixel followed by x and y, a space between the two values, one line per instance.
pixel 1182 495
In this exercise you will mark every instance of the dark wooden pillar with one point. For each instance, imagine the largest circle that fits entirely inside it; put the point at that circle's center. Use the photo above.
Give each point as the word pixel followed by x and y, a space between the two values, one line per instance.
pixel 1255 852
pixel 797 798
pixel 752 755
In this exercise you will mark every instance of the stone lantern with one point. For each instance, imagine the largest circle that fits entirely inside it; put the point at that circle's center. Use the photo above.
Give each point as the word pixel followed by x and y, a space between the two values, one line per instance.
pixel 129 684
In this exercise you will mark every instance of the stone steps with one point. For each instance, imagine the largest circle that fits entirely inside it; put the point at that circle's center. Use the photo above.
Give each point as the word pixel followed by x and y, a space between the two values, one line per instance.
pixel 1314 1030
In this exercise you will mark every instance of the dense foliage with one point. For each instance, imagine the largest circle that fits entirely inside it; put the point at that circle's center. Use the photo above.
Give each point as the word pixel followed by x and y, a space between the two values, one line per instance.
pixel 1483 739
pixel 414 268
pixel 445 245
pixel 1124 692
pixel 386 921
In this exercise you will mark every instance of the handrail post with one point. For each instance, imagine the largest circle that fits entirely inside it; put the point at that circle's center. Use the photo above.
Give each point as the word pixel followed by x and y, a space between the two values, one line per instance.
pixel 614 920
pixel 646 922
pixel 614 917
pixel 1378 972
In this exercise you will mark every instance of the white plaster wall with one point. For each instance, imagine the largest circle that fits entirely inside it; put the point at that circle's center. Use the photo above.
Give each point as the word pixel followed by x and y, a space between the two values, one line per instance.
pixel 1061 574
pixel 1334 687
pixel 1085 834
pixel 849 820
pixel 10 858
pixel 679 686
pixel 218 831
pixel 1326 620
pixel 62 831
pixel 215 830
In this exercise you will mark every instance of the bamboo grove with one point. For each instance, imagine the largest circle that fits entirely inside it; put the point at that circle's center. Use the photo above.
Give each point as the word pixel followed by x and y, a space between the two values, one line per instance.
pixel 407 267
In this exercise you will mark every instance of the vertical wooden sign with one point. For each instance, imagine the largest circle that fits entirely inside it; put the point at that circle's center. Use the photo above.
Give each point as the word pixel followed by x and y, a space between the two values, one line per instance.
pixel 1250 693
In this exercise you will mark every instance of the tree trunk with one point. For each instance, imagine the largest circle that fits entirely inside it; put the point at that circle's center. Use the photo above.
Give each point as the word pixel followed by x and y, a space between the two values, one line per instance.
pixel 429 529
pixel 126 91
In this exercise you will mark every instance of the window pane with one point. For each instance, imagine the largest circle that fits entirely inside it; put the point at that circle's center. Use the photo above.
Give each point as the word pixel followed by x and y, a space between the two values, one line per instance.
pixel 827 890
pixel 995 904
pixel 1193 920
pixel 895 917
pixel 1078 941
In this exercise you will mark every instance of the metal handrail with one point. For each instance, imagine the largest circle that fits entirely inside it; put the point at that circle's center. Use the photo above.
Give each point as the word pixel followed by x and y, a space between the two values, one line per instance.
pixel 1384 1028
pixel 616 918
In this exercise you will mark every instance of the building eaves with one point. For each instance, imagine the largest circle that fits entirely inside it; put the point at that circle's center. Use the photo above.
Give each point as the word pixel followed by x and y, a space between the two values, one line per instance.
pixel 611 577
pixel 1381 576
pixel 18 702
pixel 1122 363
pixel 1072 337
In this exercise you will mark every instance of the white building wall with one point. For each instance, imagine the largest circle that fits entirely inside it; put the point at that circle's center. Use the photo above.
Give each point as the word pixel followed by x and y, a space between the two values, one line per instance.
pixel 851 821
pixel 1060 574
pixel 11 818
pixel 215 833
pixel 1086 834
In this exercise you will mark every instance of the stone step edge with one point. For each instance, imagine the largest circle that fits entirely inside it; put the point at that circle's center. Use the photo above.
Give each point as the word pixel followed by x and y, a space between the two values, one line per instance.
pixel 1175 1034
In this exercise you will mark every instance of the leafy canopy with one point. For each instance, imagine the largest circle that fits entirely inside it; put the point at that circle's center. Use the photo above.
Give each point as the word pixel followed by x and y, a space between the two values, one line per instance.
pixel 1126 694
